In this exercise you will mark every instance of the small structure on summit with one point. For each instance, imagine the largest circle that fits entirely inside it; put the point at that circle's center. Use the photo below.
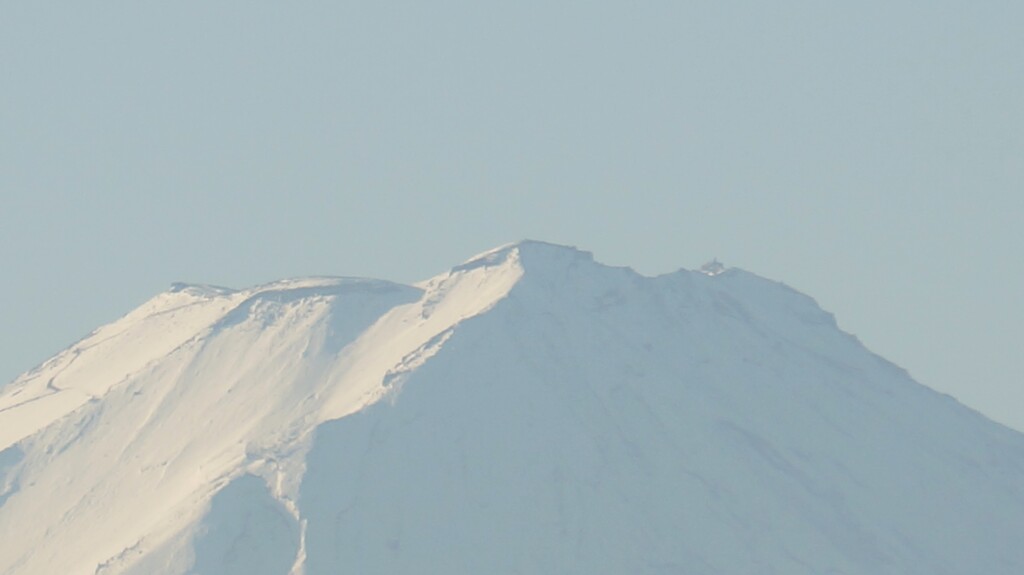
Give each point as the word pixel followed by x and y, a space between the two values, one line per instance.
pixel 712 268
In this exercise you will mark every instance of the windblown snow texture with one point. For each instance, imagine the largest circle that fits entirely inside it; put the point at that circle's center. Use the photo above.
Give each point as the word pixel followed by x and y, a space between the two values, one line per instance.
pixel 529 411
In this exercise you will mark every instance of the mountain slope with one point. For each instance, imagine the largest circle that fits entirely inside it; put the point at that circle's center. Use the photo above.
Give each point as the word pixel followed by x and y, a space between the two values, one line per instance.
pixel 530 411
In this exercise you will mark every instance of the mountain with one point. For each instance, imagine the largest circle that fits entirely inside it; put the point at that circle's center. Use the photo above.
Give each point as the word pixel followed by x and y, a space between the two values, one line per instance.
pixel 530 411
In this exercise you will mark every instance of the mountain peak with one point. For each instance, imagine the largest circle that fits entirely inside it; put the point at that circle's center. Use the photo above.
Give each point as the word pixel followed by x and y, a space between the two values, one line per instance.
pixel 587 417
pixel 529 254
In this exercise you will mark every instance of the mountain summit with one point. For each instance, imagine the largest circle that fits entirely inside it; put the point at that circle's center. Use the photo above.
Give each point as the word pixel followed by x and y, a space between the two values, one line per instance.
pixel 528 411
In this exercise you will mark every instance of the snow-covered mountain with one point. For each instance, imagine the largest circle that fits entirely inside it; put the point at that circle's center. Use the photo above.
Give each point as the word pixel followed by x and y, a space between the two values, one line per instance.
pixel 530 411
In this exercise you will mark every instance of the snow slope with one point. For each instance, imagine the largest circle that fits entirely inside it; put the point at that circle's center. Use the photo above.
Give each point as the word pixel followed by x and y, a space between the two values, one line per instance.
pixel 529 411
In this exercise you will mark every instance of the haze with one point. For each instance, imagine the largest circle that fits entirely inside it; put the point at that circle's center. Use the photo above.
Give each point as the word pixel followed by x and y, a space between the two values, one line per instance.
pixel 868 154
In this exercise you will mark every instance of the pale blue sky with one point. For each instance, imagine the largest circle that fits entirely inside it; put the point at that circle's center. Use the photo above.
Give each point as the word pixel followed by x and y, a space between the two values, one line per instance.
pixel 870 154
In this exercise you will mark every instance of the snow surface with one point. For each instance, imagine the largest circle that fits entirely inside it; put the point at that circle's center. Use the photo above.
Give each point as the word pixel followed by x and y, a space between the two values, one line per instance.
pixel 529 411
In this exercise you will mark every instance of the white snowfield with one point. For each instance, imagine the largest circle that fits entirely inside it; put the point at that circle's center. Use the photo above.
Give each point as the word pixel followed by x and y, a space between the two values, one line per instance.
pixel 530 412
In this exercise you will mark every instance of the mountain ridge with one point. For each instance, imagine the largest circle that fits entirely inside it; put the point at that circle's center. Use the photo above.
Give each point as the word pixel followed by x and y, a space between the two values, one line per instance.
pixel 531 399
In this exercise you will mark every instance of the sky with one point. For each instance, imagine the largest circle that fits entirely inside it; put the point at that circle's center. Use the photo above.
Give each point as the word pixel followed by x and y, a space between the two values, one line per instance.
pixel 869 154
